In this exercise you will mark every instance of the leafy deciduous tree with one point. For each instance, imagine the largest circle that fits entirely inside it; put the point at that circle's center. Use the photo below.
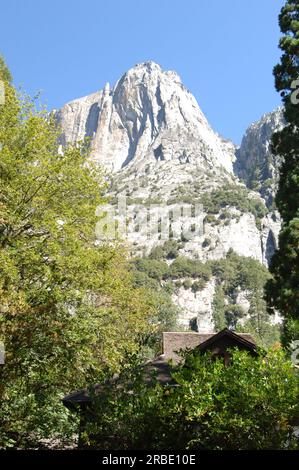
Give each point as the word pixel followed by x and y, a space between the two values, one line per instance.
pixel 68 310
pixel 251 404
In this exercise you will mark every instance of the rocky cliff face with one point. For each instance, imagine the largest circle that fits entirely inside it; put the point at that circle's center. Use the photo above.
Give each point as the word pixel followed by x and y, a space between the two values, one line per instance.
pixel 148 116
pixel 196 306
pixel 160 152
pixel 255 164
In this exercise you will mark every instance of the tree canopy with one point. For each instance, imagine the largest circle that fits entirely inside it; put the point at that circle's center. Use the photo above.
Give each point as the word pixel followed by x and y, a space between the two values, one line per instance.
pixel 250 404
pixel 69 312
pixel 283 290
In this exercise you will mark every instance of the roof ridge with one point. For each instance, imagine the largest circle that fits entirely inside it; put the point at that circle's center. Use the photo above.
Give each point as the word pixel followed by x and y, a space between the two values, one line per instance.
pixel 190 332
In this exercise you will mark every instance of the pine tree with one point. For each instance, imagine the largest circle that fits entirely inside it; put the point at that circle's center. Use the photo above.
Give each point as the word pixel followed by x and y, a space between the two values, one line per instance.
pixel 282 292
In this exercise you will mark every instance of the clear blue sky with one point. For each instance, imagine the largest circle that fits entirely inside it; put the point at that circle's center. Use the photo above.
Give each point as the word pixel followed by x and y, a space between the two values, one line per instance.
pixel 224 50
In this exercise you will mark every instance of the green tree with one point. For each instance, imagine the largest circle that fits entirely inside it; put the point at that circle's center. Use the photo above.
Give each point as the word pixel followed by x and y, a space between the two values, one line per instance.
pixel 147 273
pixel 251 404
pixel 68 310
pixel 185 267
pixel 219 309
pixel 282 291
pixel 154 268
pixel 236 274
pixel 4 71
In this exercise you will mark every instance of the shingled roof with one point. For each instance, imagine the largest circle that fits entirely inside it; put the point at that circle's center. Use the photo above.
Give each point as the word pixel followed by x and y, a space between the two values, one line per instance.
pixel 244 340
pixel 174 342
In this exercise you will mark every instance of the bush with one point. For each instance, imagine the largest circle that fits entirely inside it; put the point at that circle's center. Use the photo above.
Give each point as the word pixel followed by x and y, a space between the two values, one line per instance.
pixel 142 279
pixel 198 285
pixel 168 250
pixel 185 267
pixel 168 287
pixel 157 253
pixel 235 273
pixel 187 284
pixel 248 405
pixel 233 196
pixel 210 219
pixel 155 269
pixel 171 249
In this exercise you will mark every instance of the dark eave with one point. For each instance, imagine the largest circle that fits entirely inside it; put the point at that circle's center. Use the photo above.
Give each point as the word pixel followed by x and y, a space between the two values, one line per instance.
pixel 242 338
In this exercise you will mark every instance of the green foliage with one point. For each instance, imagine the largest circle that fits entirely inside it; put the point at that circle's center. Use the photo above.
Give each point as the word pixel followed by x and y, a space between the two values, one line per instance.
pixel 219 318
pixel 69 313
pixel 148 273
pixel 235 196
pixel 142 279
pixel 250 404
pixel 5 74
pixel 155 269
pixel 233 313
pixel 168 287
pixel 171 249
pixel 181 267
pixel 211 219
pixel 235 273
pixel 164 319
pixel 185 267
pixel 240 271
pixel 265 334
pixel 198 285
pixel 168 250
pixel 282 290
pixel 187 283
pixel 157 253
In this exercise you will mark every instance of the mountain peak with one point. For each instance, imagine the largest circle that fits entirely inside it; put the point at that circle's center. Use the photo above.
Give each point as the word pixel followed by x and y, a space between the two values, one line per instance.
pixel 149 65
pixel 152 67
pixel 147 117
pixel 148 72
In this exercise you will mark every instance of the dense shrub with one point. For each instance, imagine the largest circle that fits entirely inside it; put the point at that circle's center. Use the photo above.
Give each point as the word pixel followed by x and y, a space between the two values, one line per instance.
pixel 249 405
pixel 235 273
pixel 154 268
pixel 210 219
pixel 142 279
pixel 148 273
pixel 187 284
pixel 198 285
pixel 234 196
pixel 185 267
pixel 168 250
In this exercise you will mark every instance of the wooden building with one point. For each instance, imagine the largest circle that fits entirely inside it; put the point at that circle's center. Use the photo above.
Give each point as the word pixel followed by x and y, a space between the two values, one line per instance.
pixel 173 344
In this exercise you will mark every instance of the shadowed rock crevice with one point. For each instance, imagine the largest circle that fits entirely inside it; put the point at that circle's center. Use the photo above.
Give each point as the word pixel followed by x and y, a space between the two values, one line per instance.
pixel 92 120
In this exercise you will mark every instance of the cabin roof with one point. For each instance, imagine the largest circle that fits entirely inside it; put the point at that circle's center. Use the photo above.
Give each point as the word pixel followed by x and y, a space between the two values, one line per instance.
pixel 161 366
pixel 244 339
pixel 175 342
